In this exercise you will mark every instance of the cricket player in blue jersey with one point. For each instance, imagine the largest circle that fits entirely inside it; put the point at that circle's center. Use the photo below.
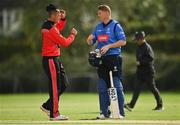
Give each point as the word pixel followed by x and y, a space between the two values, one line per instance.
pixel 110 37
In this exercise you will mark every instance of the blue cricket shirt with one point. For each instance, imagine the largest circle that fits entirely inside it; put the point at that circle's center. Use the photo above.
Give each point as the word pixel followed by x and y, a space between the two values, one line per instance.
pixel 108 34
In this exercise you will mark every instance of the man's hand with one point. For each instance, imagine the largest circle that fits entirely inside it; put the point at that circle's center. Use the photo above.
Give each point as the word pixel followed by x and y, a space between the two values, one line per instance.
pixel 74 31
pixel 62 14
pixel 104 49
pixel 90 39
pixel 138 63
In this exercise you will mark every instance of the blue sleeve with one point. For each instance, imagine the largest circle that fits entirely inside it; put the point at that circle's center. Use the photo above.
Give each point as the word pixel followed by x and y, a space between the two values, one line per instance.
pixel 94 34
pixel 119 32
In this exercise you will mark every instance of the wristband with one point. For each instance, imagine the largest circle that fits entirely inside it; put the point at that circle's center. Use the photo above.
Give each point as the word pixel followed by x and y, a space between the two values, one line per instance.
pixel 63 19
pixel 73 34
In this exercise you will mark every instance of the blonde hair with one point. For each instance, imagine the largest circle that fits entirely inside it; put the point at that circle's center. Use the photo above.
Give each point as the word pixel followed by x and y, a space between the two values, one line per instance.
pixel 104 8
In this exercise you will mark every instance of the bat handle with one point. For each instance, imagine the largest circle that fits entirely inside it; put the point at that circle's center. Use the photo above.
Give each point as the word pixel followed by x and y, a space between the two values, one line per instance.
pixel 111 79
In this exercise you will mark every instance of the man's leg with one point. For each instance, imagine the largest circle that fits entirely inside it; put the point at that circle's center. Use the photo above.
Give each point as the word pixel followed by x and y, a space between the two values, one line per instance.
pixel 103 97
pixel 46 105
pixel 104 100
pixel 136 92
pixel 117 78
pixel 62 80
pixel 120 94
pixel 57 88
pixel 51 71
pixel 152 86
pixel 114 63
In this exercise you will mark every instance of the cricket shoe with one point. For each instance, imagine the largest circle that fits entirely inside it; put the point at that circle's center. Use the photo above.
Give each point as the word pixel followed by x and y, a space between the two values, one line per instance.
pixel 158 108
pixel 45 110
pixel 128 107
pixel 120 117
pixel 59 118
pixel 102 116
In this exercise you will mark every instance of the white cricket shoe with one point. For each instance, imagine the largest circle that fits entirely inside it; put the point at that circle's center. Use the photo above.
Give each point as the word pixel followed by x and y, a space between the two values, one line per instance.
pixel 101 116
pixel 58 118
pixel 121 117
pixel 45 110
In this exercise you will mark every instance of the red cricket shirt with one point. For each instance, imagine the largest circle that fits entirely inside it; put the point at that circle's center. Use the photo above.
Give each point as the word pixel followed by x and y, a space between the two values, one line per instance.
pixel 52 39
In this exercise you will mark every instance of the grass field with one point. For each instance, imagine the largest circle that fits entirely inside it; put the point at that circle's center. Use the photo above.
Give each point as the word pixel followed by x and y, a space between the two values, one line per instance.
pixel 82 108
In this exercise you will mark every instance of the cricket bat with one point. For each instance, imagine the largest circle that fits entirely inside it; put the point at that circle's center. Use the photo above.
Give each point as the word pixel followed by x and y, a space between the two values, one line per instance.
pixel 114 99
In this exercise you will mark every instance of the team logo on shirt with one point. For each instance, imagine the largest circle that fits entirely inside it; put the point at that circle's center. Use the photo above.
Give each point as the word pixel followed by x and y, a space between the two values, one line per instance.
pixel 103 38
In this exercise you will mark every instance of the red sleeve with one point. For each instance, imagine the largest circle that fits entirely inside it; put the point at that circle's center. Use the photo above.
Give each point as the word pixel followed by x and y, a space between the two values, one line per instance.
pixel 59 39
pixel 60 24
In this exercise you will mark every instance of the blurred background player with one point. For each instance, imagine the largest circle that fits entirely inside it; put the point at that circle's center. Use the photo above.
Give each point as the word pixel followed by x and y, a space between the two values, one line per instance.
pixel 145 72
pixel 52 40
pixel 110 37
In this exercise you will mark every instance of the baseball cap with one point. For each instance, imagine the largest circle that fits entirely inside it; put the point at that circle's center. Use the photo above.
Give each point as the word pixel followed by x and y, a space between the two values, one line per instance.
pixel 139 35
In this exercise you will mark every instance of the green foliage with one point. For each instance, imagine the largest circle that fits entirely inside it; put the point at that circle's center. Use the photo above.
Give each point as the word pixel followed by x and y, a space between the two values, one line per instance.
pixel 162 43
pixel 22 74
pixel 151 15
pixel 168 71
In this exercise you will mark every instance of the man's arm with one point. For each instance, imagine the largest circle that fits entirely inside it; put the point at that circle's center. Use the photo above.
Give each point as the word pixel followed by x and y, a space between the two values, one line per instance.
pixel 62 22
pixel 59 39
pixel 90 39
pixel 113 45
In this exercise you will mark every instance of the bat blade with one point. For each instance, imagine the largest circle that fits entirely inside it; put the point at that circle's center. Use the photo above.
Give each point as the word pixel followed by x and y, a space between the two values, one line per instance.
pixel 113 98
pixel 114 103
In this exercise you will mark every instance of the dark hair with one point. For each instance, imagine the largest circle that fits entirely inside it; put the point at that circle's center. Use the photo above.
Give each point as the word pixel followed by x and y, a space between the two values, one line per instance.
pixel 51 8
pixel 104 8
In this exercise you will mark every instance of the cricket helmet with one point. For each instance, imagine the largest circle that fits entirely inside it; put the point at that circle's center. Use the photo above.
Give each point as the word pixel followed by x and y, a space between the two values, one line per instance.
pixel 95 59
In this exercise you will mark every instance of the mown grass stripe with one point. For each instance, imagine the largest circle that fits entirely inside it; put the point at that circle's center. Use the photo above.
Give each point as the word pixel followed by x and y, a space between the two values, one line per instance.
pixel 172 122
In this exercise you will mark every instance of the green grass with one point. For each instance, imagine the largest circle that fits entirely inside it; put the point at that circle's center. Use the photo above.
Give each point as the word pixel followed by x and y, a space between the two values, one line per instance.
pixel 82 107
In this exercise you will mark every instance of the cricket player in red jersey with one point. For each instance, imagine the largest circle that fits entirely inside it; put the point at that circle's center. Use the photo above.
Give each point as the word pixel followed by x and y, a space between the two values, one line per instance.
pixel 52 40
